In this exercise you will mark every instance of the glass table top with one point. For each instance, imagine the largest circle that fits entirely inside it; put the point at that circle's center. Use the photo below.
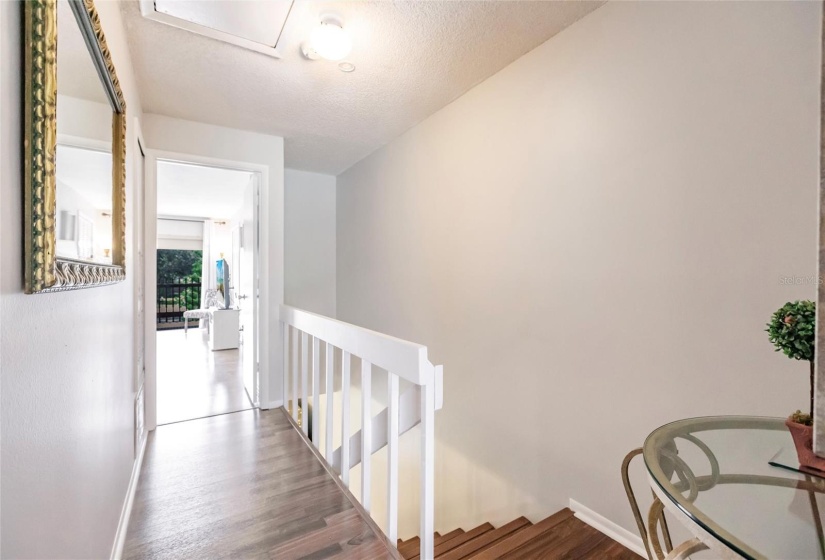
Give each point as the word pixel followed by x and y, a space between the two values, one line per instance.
pixel 716 471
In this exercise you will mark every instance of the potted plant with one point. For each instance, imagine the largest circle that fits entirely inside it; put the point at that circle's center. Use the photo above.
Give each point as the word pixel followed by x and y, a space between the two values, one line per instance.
pixel 792 330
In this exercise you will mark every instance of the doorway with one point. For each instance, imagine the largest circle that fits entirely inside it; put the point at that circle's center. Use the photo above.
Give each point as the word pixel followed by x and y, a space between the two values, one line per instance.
pixel 205 279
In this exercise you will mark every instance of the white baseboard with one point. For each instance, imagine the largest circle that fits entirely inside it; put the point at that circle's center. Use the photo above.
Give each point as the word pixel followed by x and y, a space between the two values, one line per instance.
pixel 612 530
pixel 126 512
pixel 271 404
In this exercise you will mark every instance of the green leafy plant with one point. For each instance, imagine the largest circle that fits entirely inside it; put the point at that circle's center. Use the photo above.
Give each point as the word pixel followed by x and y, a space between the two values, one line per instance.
pixel 174 264
pixel 792 330
pixel 802 418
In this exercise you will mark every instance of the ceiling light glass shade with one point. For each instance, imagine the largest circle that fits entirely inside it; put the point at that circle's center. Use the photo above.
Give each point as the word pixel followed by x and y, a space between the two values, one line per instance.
pixel 330 41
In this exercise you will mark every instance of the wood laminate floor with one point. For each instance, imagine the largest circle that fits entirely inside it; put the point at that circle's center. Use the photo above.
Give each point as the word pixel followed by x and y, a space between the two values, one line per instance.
pixel 193 381
pixel 242 485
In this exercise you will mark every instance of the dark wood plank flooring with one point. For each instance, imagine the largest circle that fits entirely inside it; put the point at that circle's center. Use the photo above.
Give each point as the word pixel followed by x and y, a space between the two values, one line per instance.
pixel 242 485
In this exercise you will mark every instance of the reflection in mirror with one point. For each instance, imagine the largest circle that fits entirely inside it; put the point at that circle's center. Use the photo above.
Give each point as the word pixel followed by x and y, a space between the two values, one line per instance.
pixel 83 162
pixel 84 204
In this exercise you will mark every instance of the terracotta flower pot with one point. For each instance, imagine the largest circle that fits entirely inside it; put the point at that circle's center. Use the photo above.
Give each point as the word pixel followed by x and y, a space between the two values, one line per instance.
pixel 803 439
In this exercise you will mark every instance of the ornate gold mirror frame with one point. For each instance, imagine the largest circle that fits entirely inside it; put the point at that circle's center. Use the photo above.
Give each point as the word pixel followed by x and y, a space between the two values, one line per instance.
pixel 44 271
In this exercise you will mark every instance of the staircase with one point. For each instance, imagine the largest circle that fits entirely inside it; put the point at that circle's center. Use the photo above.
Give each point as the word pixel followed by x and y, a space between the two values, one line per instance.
pixel 559 536
pixel 308 379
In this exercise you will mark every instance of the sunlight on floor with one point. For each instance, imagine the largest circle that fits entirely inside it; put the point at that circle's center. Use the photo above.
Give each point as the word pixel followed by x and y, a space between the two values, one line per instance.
pixel 193 381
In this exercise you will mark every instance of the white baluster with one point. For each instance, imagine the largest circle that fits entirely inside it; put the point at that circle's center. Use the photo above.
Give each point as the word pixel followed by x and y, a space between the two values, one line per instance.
pixel 286 364
pixel 295 374
pixel 345 419
pixel 330 355
pixel 316 394
pixel 304 384
pixel 392 458
pixel 427 469
pixel 366 434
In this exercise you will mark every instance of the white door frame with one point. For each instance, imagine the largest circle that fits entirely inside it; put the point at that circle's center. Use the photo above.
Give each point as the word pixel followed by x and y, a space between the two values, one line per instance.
pixel 139 201
pixel 150 266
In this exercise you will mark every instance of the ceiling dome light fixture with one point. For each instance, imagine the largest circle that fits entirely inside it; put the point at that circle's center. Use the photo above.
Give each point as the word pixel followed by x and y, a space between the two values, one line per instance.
pixel 346 67
pixel 329 40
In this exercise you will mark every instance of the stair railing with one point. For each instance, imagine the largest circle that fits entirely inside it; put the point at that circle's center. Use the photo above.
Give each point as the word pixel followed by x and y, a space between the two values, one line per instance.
pixel 402 360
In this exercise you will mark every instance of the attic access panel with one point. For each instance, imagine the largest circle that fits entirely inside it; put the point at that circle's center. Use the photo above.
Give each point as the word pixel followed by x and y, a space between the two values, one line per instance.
pixel 252 24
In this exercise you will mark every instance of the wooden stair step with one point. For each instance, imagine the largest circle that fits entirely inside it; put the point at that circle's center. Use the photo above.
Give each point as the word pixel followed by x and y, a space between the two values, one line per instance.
pixel 554 543
pixel 559 537
pixel 459 540
pixel 447 536
pixel 486 540
pixel 580 544
pixel 410 547
pixel 522 536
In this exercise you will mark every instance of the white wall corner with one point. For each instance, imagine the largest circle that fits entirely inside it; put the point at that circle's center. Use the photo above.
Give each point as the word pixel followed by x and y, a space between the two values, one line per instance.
pixel 126 512
pixel 609 528
pixel 272 404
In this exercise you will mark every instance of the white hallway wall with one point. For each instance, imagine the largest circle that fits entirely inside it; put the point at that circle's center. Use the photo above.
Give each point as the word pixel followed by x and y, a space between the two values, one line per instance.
pixel 309 233
pixel 67 359
pixel 592 240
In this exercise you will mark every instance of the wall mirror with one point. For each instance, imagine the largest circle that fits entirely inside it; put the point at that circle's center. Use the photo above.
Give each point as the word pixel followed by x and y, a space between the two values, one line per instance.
pixel 75 151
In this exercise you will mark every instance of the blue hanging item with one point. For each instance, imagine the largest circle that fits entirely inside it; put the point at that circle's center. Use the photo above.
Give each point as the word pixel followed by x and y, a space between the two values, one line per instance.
pixel 222 278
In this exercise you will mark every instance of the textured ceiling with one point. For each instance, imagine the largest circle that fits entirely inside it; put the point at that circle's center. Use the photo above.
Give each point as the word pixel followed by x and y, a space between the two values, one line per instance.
pixel 411 58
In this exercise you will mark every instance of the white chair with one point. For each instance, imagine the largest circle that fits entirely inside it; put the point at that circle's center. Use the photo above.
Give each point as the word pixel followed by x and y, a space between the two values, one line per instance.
pixel 212 300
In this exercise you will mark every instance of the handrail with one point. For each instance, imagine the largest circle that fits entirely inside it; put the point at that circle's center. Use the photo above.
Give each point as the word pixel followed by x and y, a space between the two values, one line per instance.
pixel 403 358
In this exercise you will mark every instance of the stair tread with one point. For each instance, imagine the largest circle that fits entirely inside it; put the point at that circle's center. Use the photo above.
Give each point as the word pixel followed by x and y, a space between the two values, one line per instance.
pixel 447 536
pixel 559 537
pixel 486 540
pixel 409 547
pixel 522 536
pixel 580 545
pixel 459 540
pixel 612 550
pixel 556 543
